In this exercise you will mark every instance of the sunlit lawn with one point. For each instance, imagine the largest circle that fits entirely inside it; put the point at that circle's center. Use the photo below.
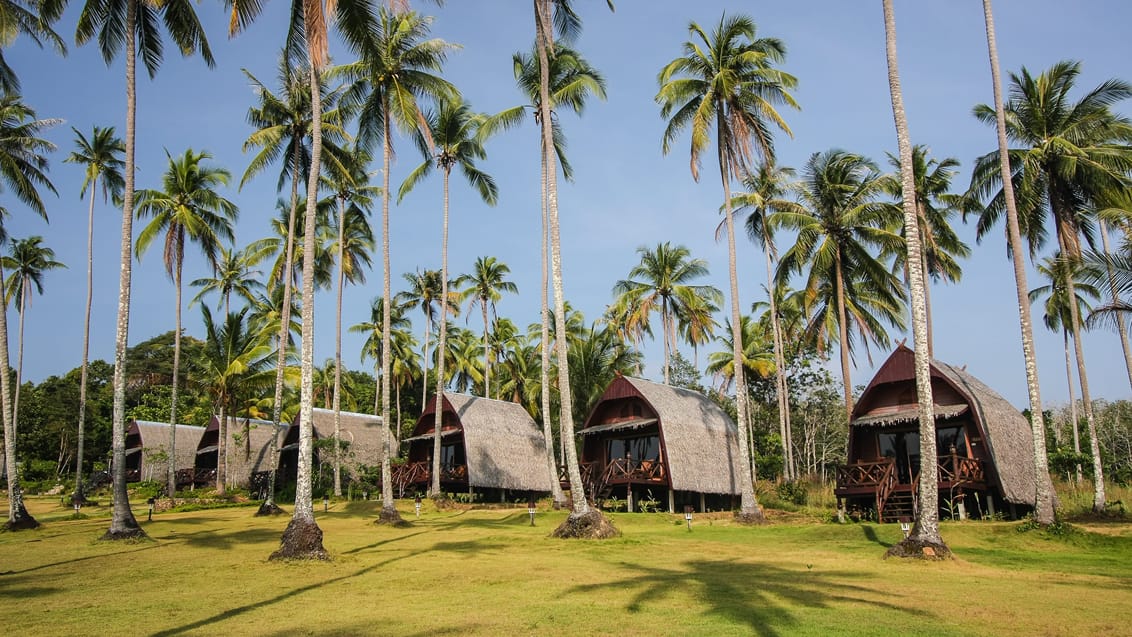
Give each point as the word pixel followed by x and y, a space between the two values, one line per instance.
pixel 489 572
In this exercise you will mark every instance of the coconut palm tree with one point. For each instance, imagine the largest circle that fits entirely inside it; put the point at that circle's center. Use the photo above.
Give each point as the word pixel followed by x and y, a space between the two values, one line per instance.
pixel 595 360
pixel 1043 506
pixel 101 155
pixel 463 369
pixel 452 138
pixel 424 292
pixel 23 170
pixel 661 282
pixel 758 359
pixel 1071 154
pixel 20 17
pixel 485 286
pixel 27 261
pixel 404 368
pixel 235 272
pixel 925 532
pixel 842 227
pixel 396 72
pixel 187 209
pixel 935 207
pixel 1057 318
pixel 352 246
pixel 762 194
pixel 728 79
pixel 132 26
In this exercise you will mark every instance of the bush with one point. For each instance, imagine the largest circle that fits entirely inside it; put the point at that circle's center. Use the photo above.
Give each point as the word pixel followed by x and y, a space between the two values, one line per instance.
pixel 792 492
pixel 148 489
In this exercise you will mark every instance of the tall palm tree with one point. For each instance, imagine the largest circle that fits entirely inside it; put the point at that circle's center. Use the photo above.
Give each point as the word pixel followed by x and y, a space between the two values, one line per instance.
pixel 20 17
pixel 23 169
pixel 1043 506
pixel 396 71
pixel 456 141
pixel 26 262
pixel 729 82
pixel 763 193
pixel 842 228
pixel 935 206
pixel 756 357
pixel 1071 154
pixel 925 532
pixel 1057 318
pixel 661 282
pixel 462 369
pixel 595 360
pixel 485 286
pixel 352 246
pixel 404 367
pixel 235 273
pixel 188 208
pixel 101 155
pixel 132 26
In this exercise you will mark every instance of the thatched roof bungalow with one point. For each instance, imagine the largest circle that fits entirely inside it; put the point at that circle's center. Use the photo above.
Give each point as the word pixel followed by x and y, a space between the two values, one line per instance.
pixel 488 446
pixel 663 445
pixel 147 450
pixel 985 445
pixel 361 435
pixel 248 457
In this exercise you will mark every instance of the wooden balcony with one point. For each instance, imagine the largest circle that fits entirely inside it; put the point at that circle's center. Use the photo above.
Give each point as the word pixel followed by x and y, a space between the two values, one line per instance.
pixel 867 478
pixel 421 473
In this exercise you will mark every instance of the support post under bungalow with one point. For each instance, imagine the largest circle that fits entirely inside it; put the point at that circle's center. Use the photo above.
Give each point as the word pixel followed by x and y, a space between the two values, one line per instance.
pixel 671 501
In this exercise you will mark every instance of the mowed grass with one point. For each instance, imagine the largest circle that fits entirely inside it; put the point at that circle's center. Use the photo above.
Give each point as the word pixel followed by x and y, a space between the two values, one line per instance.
pixel 489 572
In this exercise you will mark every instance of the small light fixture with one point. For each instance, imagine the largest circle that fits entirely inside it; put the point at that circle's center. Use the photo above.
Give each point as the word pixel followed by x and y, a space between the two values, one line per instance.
pixel 325 503
pixel 688 515
pixel 531 510
pixel 417 506
pixel 906 526
pixel 150 501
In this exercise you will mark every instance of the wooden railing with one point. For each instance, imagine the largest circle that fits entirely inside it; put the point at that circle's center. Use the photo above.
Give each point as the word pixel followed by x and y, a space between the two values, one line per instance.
pixel 959 470
pixel 629 470
pixel 418 472
pixel 866 474
pixel 886 484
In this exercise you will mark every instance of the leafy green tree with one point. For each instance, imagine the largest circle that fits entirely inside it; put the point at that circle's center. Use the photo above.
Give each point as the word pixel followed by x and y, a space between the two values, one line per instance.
pixel 101 157
pixel 728 80
pixel 187 209
pixel 234 273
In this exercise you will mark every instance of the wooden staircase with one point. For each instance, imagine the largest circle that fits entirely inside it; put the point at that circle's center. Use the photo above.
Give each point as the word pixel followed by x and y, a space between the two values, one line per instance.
pixel 899 505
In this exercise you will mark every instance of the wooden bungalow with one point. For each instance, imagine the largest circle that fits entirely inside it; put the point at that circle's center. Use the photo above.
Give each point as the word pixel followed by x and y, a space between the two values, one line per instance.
pixel 491 447
pixel 248 458
pixel 985 446
pixel 361 436
pixel 650 442
pixel 147 450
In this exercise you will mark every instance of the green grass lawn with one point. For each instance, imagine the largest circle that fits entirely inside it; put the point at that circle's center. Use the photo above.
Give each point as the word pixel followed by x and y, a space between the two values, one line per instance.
pixel 489 572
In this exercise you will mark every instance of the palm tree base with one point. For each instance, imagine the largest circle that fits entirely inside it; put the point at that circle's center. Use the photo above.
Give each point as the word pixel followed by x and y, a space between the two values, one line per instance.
pixel 917 548
pixel 302 540
pixel 22 522
pixel 391 517
pixel 751 517
pixel 269 508
pixel 592 525
pixel 129 533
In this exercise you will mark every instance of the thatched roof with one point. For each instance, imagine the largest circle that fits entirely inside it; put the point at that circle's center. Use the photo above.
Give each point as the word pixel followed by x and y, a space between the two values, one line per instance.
pixel 362 433
pixel 700 441
pixel 1007 434
pixel 245 457
pixel 504 447
pixel 155 437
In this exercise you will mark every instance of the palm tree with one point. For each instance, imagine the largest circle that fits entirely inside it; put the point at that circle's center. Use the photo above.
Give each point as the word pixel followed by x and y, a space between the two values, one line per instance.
pixel 352 246
pixel 424 292
pixel 925 532
pixel 394 73
pixel 235 273
pixel 132 26
pixel 840 224
pixel 456 140
pixel 664 286
pixel 235 357
pixel 27 261
pixel 1043 506
pixel 404 367
pixel 595 360
pixel 730 82
pixel 187 208
pixel 101 155
pixel 19 17
pixel 485 286
pixel 756 359
pixel 23 169
pixel 762 195
pixel 463 369
pixel 1057 318
pixel 935 206
pixel 1072 154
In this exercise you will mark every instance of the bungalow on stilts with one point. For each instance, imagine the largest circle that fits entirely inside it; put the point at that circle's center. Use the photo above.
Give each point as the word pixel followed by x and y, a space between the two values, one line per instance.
pixel 360 436
pixel 985 447
pixel 147 451
pixel 247 454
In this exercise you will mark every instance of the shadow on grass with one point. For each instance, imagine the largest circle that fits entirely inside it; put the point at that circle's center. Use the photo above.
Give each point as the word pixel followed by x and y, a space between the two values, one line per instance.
pixel 225 541
pixel 766 599
pixel 871 535
pixel 454 520
pixel 77 560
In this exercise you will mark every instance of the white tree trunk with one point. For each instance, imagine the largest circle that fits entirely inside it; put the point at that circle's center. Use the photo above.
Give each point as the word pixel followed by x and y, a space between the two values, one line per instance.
pixel 441 351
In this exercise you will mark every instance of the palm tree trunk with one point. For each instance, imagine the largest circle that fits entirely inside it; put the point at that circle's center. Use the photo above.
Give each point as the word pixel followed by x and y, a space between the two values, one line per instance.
pixel 927 288
pixel 338 351
pixel 424 361
pixel 547 429
pixel 171 488
pixel 843 335
pixel 25 296
pixel 926 529
pixel 79 495
pixel 1072 401
pixel 780 374
pixel 441 351
pixel 18 517
pixel 122 522
pixel 1121 329
pixel 486 350
pixel 222 448
pixel 388 509
pixel 303 537
pixel 1043 509
pixel 665 327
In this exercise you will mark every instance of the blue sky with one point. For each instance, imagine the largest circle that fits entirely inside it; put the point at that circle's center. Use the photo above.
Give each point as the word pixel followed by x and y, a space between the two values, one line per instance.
pixel 626 193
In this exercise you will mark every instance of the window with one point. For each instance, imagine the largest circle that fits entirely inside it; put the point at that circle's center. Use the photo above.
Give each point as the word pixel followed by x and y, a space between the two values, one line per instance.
pixel 452 456
pixel 637 449
pixel 948 437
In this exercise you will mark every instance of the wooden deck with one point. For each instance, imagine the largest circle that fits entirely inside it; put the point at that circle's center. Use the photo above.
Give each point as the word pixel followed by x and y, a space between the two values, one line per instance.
pixel 878 482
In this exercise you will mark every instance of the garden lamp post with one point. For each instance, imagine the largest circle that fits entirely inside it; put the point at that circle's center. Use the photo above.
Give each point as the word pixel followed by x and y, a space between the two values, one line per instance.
pixel 688 515
pixel 417 506
pixel 531 510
